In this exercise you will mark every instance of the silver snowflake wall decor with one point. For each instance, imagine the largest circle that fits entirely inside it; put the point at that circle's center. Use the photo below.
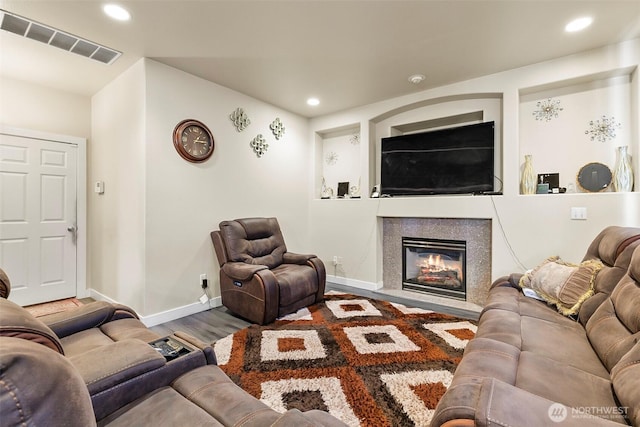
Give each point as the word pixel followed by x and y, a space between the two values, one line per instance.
pixel 547 109
pixel 259 145
pixel 355 138
pixel 239 119
pixel 603 129
pixel 332 158
pixel 277 128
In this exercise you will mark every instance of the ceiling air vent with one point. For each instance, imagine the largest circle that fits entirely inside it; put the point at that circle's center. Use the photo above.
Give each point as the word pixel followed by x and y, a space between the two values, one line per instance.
pixel 34 30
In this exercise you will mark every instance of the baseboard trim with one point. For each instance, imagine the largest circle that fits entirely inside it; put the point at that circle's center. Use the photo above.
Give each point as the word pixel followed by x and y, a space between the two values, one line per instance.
pixel 167 315
pixel 360 284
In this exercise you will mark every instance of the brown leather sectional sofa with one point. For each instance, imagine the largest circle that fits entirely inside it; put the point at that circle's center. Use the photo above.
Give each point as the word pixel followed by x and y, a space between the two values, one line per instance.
pixel 94 366
pixel 532 366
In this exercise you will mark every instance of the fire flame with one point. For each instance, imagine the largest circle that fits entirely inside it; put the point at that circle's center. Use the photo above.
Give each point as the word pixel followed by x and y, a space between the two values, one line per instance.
pixel 435 263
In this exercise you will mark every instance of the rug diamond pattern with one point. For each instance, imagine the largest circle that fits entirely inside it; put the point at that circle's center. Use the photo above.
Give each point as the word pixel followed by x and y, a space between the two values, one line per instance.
pixel 365 361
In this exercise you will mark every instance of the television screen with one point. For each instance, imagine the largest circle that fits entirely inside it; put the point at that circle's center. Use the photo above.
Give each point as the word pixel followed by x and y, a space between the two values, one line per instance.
pixel 455 160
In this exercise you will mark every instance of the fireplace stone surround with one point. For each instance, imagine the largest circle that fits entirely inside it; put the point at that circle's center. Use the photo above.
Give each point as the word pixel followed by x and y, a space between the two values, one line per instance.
pixel 476 233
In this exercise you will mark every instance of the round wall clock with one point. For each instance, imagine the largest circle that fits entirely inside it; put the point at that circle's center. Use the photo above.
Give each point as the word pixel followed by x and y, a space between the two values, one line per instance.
pixel 193 140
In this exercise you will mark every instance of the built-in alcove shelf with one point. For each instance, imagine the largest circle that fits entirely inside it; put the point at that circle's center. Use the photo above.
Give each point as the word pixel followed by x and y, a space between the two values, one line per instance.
pixel 338 160
pixel 560 142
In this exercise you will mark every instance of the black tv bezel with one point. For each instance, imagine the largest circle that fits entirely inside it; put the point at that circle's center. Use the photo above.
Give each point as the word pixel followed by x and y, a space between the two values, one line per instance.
pixel 480 188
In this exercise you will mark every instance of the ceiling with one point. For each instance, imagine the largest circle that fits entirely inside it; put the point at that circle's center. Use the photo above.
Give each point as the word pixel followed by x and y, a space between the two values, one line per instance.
pixel 346 53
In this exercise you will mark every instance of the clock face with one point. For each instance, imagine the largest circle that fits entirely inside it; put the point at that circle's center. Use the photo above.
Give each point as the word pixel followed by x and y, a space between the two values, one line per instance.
pixel 193 140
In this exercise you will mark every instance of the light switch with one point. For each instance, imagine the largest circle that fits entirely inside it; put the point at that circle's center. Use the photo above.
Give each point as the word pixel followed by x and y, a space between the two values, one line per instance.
pixel 99 187
pixel 579 213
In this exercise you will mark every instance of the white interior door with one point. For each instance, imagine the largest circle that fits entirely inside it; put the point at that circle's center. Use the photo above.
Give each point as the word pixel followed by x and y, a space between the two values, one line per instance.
pixel 38 218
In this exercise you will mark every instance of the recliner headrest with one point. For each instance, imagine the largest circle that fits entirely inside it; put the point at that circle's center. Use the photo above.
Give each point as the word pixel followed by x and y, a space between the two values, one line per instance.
pixel 17 322
pixel 41 387
pixel 5 284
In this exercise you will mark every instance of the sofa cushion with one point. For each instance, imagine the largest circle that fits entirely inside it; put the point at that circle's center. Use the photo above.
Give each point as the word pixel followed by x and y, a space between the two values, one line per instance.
pixel 561 339
pixel 614 246
pixel 58 397
pixel 18 322
pixel 625 383
pixel 295 282
pixel 565 384
pixel 563 284
pixel 162 407
pixel 5 284
pixel 614 328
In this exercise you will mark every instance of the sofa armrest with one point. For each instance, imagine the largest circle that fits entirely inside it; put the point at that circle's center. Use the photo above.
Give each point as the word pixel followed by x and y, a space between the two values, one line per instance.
pixel 241 270
pixel 207 349
pixel 85 317
pixel 136 370
pixel 106 366
pixel 492 402
pixel 511 280
pixel 293 258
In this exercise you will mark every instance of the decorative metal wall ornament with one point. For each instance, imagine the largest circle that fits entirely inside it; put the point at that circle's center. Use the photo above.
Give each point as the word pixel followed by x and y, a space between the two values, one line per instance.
pixel 602 130
pixel 259 145
pixel 332 158
pixel 277 128
pixel 547 109
pixel 239 119
pixel 355 138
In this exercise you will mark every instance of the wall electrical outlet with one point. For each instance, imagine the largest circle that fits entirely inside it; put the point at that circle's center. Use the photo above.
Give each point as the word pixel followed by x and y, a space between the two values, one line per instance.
pixel 335 260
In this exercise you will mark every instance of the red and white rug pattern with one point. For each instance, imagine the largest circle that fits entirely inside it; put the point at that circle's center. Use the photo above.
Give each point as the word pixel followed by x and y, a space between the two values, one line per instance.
pixel 365 361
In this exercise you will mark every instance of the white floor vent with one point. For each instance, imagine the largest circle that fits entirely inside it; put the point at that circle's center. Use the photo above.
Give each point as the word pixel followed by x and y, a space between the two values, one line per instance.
pixel 34 30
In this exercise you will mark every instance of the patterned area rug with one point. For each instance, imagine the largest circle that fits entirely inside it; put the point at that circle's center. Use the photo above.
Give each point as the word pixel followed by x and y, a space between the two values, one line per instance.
pixel 39 310
pixel 365 361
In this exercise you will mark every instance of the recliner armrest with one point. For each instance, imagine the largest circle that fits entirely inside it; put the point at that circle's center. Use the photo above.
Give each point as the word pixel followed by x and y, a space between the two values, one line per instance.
pixel 85 317
pixel 241 270
pixel 293 258
pixel 492 402
pixel 109 365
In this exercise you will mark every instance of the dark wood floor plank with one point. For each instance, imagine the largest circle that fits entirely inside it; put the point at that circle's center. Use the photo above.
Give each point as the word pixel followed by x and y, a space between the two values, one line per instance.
pixel 216 323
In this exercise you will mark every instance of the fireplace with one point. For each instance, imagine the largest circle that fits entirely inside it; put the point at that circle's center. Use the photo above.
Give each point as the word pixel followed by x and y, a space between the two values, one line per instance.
pixel 434 266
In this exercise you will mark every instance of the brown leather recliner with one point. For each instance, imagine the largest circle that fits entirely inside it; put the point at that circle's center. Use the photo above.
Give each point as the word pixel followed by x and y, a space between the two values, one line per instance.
pixel 259 279
pixel 107 345
pixel 42 387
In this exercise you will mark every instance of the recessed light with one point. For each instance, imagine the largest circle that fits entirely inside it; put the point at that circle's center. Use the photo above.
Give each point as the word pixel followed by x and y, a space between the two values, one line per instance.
pixel 313 101
pixel 578 24
pixel 116 12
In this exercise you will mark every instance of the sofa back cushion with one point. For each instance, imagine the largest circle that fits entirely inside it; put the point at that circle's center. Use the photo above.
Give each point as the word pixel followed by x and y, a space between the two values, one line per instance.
pixel 254 241
pixel 5 284
pixel 613 246
pixel 625 383
pixel 614 328
pixel 40 387
pixel 17 322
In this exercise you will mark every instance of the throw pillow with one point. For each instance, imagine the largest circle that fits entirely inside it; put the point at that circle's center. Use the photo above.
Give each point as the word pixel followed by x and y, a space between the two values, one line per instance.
pixel 563 284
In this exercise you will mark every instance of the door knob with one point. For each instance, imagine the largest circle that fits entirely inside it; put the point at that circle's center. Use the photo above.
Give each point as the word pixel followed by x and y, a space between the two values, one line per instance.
pixel 71 228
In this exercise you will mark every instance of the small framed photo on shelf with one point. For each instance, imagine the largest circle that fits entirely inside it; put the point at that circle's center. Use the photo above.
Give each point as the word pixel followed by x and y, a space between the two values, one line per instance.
pixel 343 189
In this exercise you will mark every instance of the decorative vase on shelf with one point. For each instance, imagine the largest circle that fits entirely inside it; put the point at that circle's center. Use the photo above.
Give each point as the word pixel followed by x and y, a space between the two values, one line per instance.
pixel 622 172
pixel 528 180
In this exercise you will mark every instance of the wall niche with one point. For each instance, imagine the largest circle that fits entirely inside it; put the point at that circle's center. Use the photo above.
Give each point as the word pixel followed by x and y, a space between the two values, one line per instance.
pixel 571 124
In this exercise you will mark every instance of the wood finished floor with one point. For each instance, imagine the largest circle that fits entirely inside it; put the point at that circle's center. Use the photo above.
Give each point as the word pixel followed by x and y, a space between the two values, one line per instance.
pixel 213 324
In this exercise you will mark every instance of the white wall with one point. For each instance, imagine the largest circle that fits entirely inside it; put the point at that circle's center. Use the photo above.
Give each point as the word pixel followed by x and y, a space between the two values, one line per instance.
pixel 166 234
pixel 532 227
pixel 117 217
pixel 31 106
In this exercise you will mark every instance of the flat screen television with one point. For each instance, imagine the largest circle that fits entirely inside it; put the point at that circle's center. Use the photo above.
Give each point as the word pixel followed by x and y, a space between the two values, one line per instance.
pixel 455 160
